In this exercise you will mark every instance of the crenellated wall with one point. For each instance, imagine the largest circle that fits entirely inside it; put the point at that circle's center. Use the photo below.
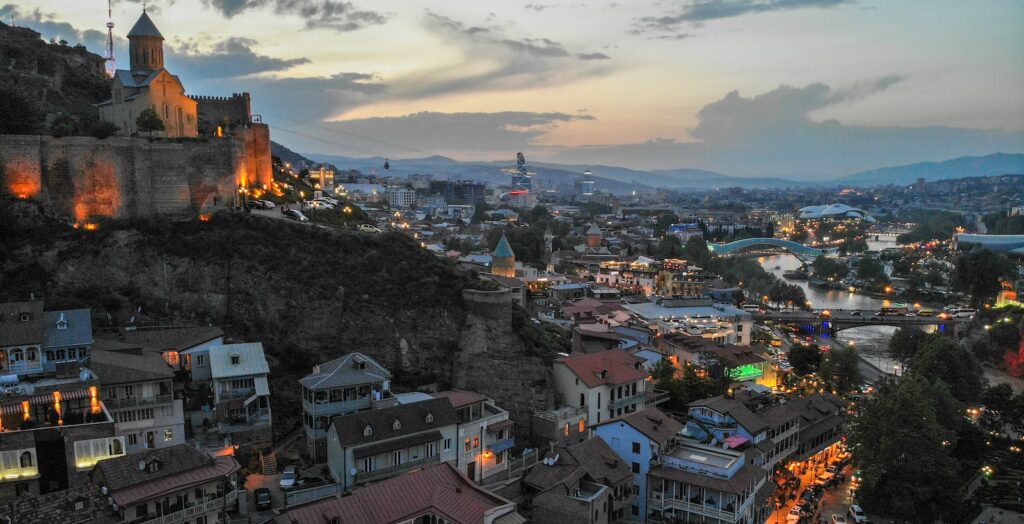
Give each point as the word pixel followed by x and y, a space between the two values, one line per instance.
pixel 121 177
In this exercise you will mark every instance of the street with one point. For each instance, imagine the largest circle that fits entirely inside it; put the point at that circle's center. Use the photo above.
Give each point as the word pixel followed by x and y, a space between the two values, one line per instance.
pixel 835 500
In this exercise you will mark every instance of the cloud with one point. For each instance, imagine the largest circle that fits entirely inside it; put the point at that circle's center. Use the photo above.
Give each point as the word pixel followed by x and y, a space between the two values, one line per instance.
pixel 774 134
pixel 700 11
pixel 540 8
pixel 48 26
pixel 232 57
pixel 675 37
pixel 478 134
pixel 592 56
pixel 328 14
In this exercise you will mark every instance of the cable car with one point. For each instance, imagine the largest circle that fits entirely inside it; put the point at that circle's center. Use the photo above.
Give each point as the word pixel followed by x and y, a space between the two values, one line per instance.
pixel 386 164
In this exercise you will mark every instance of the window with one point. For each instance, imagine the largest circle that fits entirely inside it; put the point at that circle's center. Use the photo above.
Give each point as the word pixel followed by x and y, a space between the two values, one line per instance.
pixel 583 425
pixel 397 425
pixel 430 418
pixel 168 435
pixel 367 431
pixel 565 430
pixel 636 467
pixel 133 439
pixel 396 458
pixel 26 459
pixel 140 511
pixel 200 360
pixel 368 464
pixel 447 444
pixel 476 441
pixel 89 452
pixel 636 448
pixel 499 458
pixel 635 510
pixel 598 400
pixel 583 401
pixel 235 359
pixel 468 445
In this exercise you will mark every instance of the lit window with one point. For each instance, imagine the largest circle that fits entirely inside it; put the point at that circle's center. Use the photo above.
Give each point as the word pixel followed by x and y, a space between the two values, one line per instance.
pixel 168 435
pixel 476 441
pixel 583 425
pixel 565 430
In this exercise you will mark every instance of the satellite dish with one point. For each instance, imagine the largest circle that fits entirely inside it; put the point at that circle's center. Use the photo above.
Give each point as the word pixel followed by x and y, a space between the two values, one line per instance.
pixel 353 471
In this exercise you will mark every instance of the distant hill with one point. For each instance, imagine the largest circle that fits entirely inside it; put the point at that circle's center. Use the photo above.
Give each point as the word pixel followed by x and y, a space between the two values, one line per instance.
pixel 287 155
pixel 963 167
pixel 59 77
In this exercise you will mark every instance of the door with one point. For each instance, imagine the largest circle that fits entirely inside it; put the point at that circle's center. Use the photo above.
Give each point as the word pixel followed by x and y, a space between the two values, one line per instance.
pixel 471 471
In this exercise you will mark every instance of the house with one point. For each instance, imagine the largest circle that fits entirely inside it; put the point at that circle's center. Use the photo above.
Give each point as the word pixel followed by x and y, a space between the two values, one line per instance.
pixel 586 482
pixel 35 342
pixel 241 394
pixel 342 386
pixel 609 383
pixel 174 484
pixel 560 426
pixel 485 432
pixel 137 387
pixel 381 443
pixel 436 493
pixel 640 438
pixel 185 348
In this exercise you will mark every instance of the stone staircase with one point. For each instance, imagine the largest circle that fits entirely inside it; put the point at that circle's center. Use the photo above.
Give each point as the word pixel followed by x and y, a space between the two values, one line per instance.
pixel 268 463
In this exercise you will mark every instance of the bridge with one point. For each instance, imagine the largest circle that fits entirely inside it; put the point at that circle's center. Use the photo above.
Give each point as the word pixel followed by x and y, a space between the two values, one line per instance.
pixel 840 319
pixel 804 253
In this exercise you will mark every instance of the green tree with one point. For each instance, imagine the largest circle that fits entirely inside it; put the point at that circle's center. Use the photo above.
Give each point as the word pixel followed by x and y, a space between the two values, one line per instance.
pixel 102 129
pixel 696 251
pixel 19 113
pixel 905 343
pixel 480 212
pixel 998 398
pixel 826 268
pixel 840 368
pixel 1005 336
pixel 977 273
pixel 64 125
pixel 871 269
pixel 903 454
pixel 804 358
pixel 149 121
pixel 940 358
pixel 669 247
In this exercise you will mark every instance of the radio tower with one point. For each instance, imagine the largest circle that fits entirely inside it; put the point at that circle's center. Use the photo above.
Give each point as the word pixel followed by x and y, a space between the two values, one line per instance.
pixel 109 58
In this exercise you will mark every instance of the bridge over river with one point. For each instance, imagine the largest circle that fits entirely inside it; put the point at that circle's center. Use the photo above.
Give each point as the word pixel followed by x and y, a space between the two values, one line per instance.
pixel 804 253
pixel 840 319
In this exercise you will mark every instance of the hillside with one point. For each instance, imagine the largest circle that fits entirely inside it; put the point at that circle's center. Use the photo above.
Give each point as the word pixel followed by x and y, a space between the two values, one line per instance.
pixel 58 77
pixel 963 167
pixel 308 294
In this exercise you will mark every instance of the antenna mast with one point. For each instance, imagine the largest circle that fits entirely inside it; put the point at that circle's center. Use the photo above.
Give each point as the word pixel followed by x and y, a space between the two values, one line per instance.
pixel 109 58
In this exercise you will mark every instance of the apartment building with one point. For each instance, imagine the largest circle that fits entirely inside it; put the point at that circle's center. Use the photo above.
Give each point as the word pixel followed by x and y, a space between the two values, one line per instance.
pixel 342 386
pixel 640 438
pixel 169 485
pixel 241 393
pixel 608 383
pixel 34 342
pixel 183 348
pixel 373 445
pixel 485 432
pixel 137 388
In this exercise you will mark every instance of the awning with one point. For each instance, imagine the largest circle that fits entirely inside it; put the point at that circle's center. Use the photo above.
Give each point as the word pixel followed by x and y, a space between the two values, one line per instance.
pixel 498 426
pixel 394 445
pixel 735 441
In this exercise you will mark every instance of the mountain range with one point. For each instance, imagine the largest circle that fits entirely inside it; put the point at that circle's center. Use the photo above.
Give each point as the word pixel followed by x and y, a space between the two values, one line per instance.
pixel 620 180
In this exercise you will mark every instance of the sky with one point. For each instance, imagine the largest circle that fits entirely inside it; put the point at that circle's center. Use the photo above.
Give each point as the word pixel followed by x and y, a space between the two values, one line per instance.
pixel 794 88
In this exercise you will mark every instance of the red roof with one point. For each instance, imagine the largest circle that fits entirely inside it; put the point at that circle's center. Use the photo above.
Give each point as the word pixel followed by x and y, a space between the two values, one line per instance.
pixel 612 367
pixel 439 489
pixel 460 397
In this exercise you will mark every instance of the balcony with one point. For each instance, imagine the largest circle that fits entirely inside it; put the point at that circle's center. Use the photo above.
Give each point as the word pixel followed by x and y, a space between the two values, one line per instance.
pixel 130 402
pixel 24 367
pixel 197 509
pixel 233 394
pixel 708 510
pixel 656 397
pixel 381 473
pixel 502 445
pixel 626 401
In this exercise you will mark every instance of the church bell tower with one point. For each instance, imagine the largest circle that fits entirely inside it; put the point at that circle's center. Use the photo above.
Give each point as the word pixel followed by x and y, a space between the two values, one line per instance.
pixel 145 46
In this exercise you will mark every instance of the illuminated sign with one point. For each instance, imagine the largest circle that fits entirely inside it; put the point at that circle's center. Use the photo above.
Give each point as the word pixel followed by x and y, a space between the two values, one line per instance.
pixel 745 372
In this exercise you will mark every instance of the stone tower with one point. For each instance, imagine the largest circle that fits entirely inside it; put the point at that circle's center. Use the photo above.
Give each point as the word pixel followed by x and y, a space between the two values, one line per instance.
pixel 145 46
pixel 594 236
pixel 503 260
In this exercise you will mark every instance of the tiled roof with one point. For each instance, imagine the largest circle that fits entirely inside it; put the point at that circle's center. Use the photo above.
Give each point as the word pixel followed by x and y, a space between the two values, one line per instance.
pixel 77 328
pixel 173 339
pixel 412 419
pixel 60 507
pixel 460 397
pixel 14 332
pixel 144 27
pixel 439 489
pixel 123 472
pixel 127 366
pixel 344 371
pixel 616 366
pixel 219 468
pixel 735 409
pixel 653 423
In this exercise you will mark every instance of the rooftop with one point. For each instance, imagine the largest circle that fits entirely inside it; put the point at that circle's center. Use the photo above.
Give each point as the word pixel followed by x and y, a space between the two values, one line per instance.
pixel 412 418
pixel 652 422
pixel 145 27
pixel 127 365
pixel 131 479
pixel 612 367
pixel 21 323
pixel 250 360
pixel 170 339
pixel 67 328
pixel 352 369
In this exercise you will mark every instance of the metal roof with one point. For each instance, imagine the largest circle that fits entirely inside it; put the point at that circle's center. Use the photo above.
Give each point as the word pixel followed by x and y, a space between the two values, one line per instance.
pixel 251 360
pixel 145 27
pixel 503 250
pixel 345 371
pixel 76 331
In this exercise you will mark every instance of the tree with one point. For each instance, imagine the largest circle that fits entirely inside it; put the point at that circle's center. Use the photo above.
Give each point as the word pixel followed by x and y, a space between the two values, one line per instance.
pixel 840 368
pixel 64 125
pixel 940 358
pixel 1005 336
pixel 899 445
pixel 696 251
pixel 871 269
pixel 804 358
pixel 19 114
pixel 905 343
pixel 102 129
pixel 998 398
pixel 828 268
pixel 149 121
pixel 978 272
pixel 480 212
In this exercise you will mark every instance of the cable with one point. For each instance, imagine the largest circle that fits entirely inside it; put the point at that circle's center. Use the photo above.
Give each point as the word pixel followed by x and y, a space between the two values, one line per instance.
pixel 331 142
pixel 332 130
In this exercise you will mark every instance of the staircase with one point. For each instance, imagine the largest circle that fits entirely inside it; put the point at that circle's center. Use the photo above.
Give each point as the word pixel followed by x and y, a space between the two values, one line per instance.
pixel 268 463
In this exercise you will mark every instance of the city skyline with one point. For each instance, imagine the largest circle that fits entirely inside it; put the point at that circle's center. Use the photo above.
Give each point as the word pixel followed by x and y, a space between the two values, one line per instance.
pixel 746 88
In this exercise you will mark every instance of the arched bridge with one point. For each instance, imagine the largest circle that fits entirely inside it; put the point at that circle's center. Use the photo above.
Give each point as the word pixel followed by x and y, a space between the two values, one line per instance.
pixel 801 251
pixel 840 319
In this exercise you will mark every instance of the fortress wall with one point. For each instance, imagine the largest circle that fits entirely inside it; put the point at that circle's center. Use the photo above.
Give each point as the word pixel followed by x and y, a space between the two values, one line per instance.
pixel 122 177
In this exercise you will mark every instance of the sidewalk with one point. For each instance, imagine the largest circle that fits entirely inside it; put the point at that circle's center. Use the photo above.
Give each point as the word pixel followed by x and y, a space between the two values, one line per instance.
pixel 836 500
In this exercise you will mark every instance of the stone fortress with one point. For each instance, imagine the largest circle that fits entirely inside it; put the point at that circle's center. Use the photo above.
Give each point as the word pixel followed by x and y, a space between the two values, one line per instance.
pixel 212 149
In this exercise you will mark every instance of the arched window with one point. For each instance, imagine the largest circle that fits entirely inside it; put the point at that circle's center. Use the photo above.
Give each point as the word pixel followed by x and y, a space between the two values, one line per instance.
pixel 26 459
pixel 115 447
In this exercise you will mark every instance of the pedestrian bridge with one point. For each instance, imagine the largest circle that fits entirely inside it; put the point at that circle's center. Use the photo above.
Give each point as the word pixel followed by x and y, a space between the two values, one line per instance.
pixel 839 319
pixel 798 249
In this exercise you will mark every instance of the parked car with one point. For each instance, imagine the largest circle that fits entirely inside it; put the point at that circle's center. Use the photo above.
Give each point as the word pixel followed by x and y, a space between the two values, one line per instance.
pixel 263 500
pixel 838 519
pixel 268 204
pixel 795 514
pixel 857 515
pixel 367 228
pixel 293 214
pixel 856 313
pixel 288 477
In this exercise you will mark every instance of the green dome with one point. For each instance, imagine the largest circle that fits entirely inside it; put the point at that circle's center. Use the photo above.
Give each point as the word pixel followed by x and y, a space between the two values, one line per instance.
pixel 504 250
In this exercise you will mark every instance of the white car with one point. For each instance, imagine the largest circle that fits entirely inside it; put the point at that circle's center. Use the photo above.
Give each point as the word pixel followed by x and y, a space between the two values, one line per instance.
pixel 367 228
pixel 857 515
pixel 268 204
pixel 795 514
pixel 838 519
pixel 288 477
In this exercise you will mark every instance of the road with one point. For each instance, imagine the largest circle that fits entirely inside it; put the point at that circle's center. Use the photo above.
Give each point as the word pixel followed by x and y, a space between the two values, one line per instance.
pixel 835 501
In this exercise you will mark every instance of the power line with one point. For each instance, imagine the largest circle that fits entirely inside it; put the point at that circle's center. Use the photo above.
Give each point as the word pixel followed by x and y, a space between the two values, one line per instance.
pixel 331 142
pixel 354 135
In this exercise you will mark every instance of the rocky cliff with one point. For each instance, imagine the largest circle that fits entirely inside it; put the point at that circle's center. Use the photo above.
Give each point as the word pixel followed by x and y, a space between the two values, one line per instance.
pixel 58 77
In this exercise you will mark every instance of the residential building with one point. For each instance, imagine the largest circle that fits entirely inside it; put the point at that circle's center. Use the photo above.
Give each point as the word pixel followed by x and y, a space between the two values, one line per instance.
pixel 485 432
pixel 740 363
pixel 722 323
pixel 34 342
pixel 640 438
pixel 608 383
pixel 586 482
pixel 342 386
pixel 174 484
pixel 138 389
pixel 436 493
pixel 241 394
pixel 401 197
pixel 374 445
pixel 185 348
pixel 559 427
